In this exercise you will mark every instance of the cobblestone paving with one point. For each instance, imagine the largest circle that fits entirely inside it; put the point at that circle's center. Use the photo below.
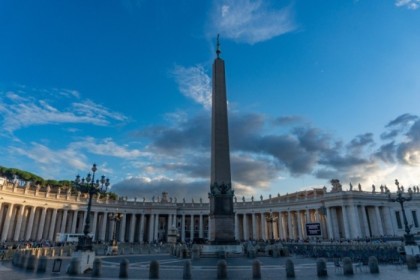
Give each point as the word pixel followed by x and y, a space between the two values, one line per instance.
pixel 205 268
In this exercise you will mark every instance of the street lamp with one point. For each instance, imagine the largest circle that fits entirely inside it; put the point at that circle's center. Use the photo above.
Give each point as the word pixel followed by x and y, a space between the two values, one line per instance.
pixel 408 237
pixel 90 187
pixel 116 217
pixel 271 219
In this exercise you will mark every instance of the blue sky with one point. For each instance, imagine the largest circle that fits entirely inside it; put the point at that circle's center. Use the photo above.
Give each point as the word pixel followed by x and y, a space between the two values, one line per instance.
pixel 317 90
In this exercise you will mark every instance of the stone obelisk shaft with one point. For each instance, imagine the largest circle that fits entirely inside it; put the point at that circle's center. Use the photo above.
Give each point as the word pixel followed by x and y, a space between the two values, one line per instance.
pixel 220 157
pixel 222 227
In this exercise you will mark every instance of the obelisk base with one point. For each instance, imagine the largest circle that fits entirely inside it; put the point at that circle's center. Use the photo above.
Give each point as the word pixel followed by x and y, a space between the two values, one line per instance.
pixel 222 231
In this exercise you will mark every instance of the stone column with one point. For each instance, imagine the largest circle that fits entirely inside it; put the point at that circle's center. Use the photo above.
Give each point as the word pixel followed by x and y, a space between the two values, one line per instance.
pixel 183 228
pixel 284 225
pixel 156 237
pixel 391 220
pixel 356 223
pixel 94 224
pixel 289 225
pixel 41 224
pixel 264 227
pixel 345 222
pixel 7 221
pixel 304 220
pixel 84 220
pixel 365 221
pixel 30 224
pixel 132 228
pixel 254 227
pixel 170 222
pixel 280 226
pixel 200 234
pixel 1 214
pixel 102 232
pixel 209 228
pixel 16 236
pixel 64 221
pixel 299 224
pixel 245 225
pixel 151 227
pixel 330 223
pixel 141 233
pixel 51 236
pixel 317 216
pixel 379 221
pixel 74 222
pixel 236 227
pixel 192 228
pixel 123 223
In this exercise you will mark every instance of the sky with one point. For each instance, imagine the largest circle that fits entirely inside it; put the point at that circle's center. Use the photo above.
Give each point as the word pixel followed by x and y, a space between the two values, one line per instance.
pixel 317 90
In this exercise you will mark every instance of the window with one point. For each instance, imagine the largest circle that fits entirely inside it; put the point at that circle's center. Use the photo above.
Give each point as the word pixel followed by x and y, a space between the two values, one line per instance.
pixel 415 221
pixel 397 215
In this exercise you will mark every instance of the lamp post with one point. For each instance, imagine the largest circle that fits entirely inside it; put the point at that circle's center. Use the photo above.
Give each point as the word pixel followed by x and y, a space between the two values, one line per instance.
pixel 116 217
pixel 408 237
pixel 270 219
pixel 89 186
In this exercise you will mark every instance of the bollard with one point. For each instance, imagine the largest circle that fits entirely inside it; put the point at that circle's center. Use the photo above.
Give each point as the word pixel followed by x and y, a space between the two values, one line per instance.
pixel 276 250
pixel 222 270
pixel 42 264
pixel 31 263
pixel 195 252
pixel 347 266
pixel 411 262
pixel 23 260
pixel 97 268
pixel 154 270
pixel 290 269
pixel 124 268
pixel 373 264
pixel 19 259
pixel 252 252
pixel 15 259
pixel 187 270
pixel 74 267
pixel 321 267
pixel 286 252
pixel 256 269
pixel 184 252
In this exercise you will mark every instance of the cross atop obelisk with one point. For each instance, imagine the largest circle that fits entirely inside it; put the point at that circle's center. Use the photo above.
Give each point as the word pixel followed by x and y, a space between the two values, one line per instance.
pixel 221 193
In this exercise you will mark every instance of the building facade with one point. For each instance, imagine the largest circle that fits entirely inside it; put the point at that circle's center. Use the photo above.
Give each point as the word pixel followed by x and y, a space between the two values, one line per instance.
pixel 31 213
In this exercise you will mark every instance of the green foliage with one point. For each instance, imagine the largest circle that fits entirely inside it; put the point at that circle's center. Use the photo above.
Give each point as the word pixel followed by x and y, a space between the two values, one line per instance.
pixel 12 173
pixel 112 196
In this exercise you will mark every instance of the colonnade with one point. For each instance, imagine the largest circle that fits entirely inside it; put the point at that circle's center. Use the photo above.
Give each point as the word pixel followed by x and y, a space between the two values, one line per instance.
pixel 37 216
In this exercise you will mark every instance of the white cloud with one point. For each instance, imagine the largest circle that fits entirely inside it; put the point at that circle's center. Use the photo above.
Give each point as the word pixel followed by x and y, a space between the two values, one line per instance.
pixel 194 83
pixel 57 163
pixel 250 21
pixel 105 147
pixel 53 162
pixel 19 112
pixel 409 4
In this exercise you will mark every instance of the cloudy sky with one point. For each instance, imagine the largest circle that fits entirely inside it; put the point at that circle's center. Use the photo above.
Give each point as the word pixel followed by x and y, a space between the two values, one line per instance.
pixel 317 90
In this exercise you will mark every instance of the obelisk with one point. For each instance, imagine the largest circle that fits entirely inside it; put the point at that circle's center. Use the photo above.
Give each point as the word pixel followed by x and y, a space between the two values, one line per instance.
pixel 222 222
